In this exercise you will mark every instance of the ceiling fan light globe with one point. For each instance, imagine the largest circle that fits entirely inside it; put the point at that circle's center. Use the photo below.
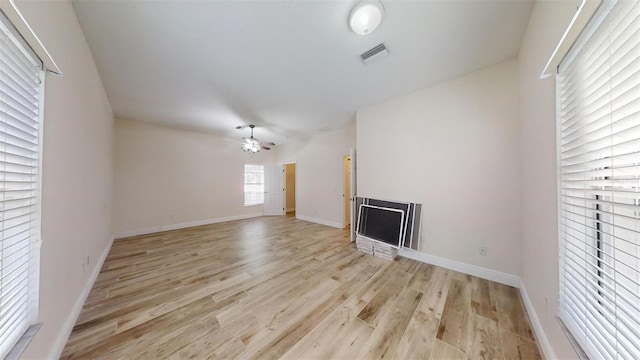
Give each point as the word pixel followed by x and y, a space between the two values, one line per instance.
pixel 365 17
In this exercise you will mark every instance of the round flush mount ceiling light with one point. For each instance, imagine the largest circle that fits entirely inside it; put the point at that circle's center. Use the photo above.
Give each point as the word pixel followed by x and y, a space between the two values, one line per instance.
pixel 365 17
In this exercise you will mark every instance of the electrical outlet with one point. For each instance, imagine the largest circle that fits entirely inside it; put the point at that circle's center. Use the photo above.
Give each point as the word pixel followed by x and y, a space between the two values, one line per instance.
pixel 483 250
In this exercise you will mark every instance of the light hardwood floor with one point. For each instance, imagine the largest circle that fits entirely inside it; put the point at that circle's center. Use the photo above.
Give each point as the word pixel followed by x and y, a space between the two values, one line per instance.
pixel 279 287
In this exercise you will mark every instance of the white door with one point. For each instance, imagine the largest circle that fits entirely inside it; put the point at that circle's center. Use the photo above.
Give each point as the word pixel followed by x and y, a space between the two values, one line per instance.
pixel 352 198
pixel 274 190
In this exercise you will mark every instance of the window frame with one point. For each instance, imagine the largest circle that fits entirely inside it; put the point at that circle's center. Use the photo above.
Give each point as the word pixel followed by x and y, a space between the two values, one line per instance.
pixel 35 243
pixel 603 225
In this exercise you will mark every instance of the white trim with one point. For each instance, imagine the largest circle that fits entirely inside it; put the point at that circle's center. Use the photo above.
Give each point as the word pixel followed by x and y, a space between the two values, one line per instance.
pixel 49 65
pixel 353 193
pixel 334 224
pixel 489 274
pixel 155 229
pixel 553 59
pixel 584 12
pixel 67 327
pixel 541 336
pixel 291 209
pixel 34 276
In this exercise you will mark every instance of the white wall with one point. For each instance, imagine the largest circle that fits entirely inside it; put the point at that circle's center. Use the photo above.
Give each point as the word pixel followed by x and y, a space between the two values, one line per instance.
pixel 320 174
pixel 77 173
pixel 166 177
pixel 539 251
pixel 452 147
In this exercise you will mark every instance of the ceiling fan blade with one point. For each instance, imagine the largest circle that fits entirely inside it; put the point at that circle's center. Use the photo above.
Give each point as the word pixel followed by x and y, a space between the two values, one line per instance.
pixel 254 142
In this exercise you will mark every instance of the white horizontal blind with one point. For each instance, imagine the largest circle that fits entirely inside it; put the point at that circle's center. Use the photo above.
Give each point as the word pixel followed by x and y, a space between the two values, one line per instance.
pixel 598 90
pixel 253 185
pixel 20 103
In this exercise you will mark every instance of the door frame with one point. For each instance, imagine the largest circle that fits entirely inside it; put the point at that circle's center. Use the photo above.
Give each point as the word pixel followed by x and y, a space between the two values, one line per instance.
pixel 295 194
pixel 353 190
pixel 344 192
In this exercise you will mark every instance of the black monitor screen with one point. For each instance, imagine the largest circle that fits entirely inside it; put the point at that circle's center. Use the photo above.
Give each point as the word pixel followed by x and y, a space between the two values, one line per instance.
pixel 380 224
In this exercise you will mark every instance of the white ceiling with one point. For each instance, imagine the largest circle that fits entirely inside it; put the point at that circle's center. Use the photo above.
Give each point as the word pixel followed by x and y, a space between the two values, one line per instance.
pixel 290 67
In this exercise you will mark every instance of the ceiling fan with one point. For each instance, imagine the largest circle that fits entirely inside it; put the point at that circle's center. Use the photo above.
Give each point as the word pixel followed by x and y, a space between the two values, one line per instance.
pixel 253 145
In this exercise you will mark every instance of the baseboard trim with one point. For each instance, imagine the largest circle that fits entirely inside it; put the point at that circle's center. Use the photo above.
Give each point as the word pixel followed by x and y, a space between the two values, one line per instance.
pixel 469 269
pixel 155 229
pixel 320 221
pixel 541 336
pixel 67 327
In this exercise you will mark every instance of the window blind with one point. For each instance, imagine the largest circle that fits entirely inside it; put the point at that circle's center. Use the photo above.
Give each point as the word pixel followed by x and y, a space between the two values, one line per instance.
pixel 598 91
pixel 20 103
pixel 253 185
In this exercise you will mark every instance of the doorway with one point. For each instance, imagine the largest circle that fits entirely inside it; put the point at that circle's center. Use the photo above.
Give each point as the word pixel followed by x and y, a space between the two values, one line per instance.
pixel 290 189
pixel 347 191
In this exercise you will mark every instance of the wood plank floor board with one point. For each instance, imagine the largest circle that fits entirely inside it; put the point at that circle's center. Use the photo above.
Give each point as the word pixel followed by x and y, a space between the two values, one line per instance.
pixel 385 338
pixel 354 341
pixel 269 277
pixel 435 295
pixel 482 299
pixel 519 348
pixel 421 278
pixel 408 265
pixel 281 333
pixel 228 350
pixel 278 287
pixel 196 343
pixel 319 342
pixel 512 315
pixel 457 319
pixel 191 334
pixel 486 343
pixel 384 299
pixel 319 309
pixel 456 329
pixel 417 340
pixel 444 351
pixel 92 346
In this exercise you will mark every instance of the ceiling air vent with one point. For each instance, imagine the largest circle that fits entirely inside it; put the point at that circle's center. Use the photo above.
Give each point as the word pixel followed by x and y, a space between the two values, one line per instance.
pixel 376 53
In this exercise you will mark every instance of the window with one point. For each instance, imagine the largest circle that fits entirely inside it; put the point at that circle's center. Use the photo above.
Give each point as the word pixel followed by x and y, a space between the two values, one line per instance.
pixel 21 92
pixel 253 185
pixel 598 93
